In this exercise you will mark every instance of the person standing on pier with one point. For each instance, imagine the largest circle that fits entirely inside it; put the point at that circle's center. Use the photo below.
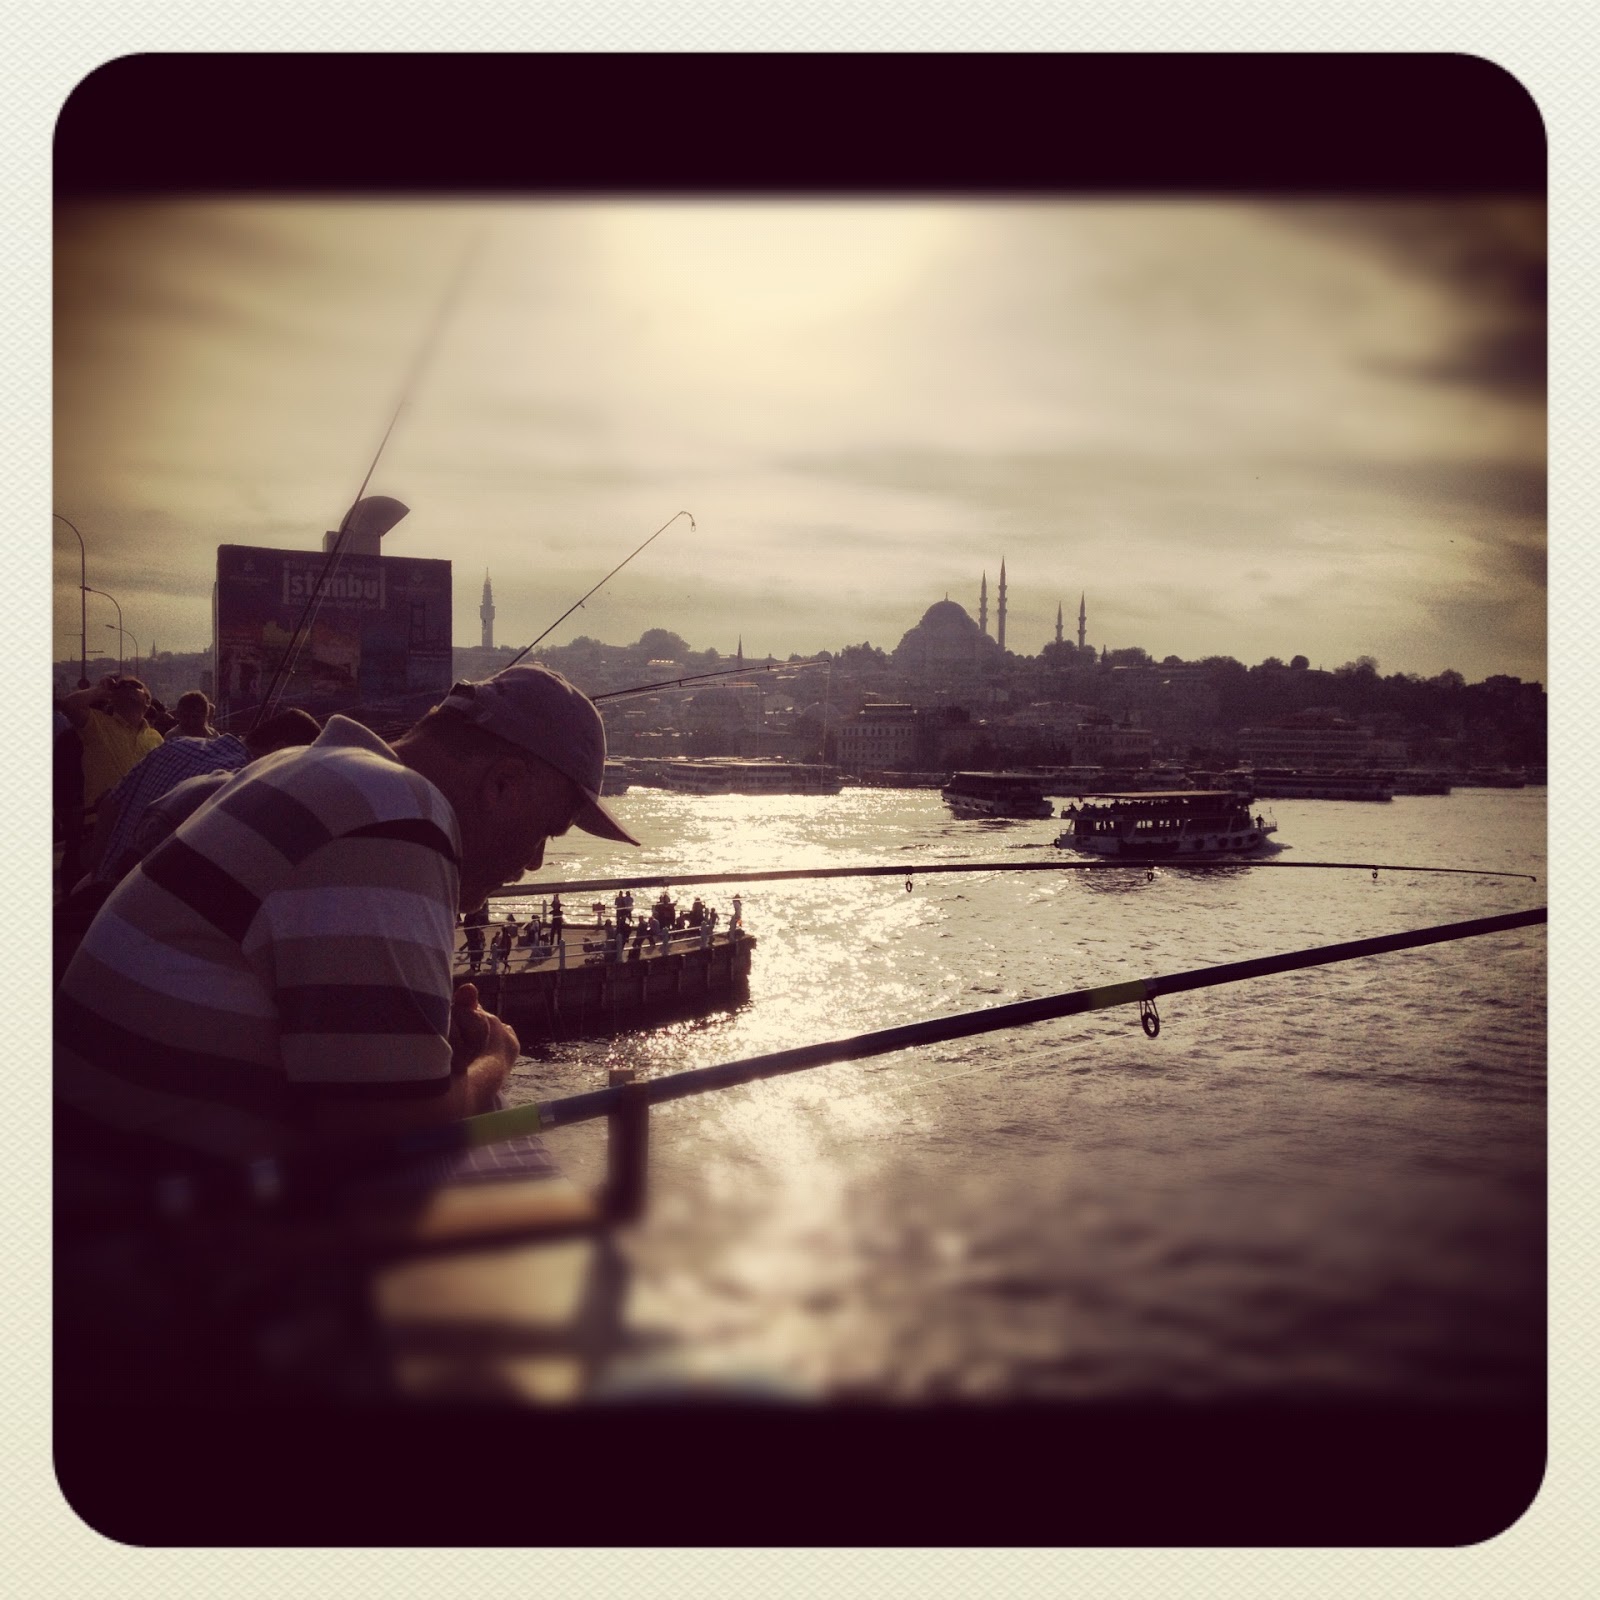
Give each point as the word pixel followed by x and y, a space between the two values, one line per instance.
pixel 258 1007
pixel 475 922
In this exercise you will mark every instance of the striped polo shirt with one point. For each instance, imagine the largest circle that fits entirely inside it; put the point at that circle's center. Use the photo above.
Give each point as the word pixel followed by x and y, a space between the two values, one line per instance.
pixel 290 941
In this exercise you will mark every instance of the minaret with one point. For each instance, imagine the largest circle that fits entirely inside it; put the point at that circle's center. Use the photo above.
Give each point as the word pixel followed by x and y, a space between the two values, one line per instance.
pixel 1083 617
pixel 486 612
pixel 741 650
pixel 983 606
pixel 1000 624
pixel 1058 622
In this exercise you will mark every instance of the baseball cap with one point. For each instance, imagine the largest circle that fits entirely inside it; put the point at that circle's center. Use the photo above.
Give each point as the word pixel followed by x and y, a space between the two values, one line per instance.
pixel 539 711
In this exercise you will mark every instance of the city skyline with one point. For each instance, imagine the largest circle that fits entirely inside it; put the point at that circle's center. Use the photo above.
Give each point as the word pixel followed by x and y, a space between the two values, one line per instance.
pixel 1247 429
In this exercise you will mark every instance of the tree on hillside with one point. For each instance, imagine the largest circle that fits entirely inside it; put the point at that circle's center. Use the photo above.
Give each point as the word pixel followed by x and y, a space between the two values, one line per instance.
pixel 659 644
pixel 861 655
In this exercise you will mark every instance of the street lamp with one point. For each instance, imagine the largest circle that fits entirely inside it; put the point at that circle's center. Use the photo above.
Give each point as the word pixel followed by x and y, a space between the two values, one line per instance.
pixel 113 599
pixel 83 606
pixel 119 630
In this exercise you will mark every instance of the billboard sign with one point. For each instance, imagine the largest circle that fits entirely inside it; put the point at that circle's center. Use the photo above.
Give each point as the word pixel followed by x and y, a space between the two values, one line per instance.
pixel 374 632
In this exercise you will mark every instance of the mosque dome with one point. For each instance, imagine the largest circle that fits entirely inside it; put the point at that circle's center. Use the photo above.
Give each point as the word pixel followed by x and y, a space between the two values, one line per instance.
pixel 945 637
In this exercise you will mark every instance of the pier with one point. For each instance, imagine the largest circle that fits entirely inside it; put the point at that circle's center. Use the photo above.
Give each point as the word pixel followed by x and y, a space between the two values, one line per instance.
pixel 592 982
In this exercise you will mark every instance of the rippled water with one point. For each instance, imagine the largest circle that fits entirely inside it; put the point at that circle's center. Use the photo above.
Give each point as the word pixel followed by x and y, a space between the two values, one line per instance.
pixel 1325 1184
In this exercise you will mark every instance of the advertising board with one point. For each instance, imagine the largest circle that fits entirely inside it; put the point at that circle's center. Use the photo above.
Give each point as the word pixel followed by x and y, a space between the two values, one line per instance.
pixel 374 633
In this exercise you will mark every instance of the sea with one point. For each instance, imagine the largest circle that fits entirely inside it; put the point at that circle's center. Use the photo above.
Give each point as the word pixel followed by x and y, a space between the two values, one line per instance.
pixel 1328 1185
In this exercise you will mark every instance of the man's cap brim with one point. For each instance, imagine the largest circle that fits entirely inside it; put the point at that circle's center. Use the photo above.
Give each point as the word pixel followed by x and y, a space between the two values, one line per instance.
pixel 594 818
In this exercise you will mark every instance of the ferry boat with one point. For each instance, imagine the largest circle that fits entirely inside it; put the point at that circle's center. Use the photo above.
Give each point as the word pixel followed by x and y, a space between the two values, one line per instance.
pixel 752 775
pixel 1152 823
pixel 996 794
pixel 1276 783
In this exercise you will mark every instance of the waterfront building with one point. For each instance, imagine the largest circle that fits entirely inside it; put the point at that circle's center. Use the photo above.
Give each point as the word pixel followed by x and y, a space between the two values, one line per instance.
pixel 877 737
pixel 1312 740
pixel 1112 744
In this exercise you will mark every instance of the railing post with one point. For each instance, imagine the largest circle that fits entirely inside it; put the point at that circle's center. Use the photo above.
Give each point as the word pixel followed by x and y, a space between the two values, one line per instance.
pixel 627 1150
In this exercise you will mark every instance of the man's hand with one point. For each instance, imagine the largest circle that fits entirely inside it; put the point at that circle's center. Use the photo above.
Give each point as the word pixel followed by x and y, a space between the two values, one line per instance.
pixel 475 1033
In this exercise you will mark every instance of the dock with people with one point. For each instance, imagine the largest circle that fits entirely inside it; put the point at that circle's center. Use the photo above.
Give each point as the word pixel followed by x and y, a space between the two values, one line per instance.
pixel 548 974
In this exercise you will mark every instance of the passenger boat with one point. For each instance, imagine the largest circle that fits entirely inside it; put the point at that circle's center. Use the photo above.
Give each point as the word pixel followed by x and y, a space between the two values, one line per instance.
pixel 1277 783
pixel 1153 823
pixel 752 775
pixel 996 794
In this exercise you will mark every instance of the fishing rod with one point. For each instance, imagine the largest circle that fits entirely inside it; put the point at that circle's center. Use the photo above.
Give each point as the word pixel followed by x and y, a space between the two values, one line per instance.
pixel 277 1182
pixel 286 664
pixel 602 583
pixel 700 677
pixel 928 869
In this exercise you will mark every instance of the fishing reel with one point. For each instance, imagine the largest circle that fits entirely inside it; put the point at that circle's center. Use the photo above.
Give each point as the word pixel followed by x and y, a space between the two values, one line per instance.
pixel 1149 1018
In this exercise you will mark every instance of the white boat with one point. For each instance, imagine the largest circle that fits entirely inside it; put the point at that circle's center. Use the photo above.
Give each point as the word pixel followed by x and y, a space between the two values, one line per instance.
pixel 1151 824
pixel 996 794
pixel 754 775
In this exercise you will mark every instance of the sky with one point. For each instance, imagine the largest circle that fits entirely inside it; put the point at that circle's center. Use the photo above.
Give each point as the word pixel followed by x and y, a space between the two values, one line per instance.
pixel 1246 428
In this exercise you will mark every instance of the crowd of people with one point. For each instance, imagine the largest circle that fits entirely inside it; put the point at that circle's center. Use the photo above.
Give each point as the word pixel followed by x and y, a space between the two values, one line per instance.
pixel 494 947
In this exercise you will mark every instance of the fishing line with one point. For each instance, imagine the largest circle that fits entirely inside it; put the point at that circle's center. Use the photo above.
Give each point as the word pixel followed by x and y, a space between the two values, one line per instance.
pixel 602 583
pixel 928 869
pixel 701 677
pixel 308 1175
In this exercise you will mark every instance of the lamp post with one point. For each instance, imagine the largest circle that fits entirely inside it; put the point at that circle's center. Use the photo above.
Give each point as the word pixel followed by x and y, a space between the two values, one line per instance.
pixel 119 630
pixel 113 599
pixel 83 606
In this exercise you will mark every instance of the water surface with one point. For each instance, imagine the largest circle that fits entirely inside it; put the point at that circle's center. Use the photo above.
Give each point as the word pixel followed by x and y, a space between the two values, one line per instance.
pixel 1322 1185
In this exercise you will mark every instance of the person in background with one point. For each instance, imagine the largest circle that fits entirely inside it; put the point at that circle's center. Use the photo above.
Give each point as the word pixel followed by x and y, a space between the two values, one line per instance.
pixel 160 792
pixel 178 762
pixel 66 798
pixel 111 722
pixel 193 717
pixel 476 922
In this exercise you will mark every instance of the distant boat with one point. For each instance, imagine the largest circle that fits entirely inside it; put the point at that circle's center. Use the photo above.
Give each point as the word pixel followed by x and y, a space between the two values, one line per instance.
pixel 1416 781
pixel 996 794
pixel 1151 823
pixel 753 775
pixel 1277 783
